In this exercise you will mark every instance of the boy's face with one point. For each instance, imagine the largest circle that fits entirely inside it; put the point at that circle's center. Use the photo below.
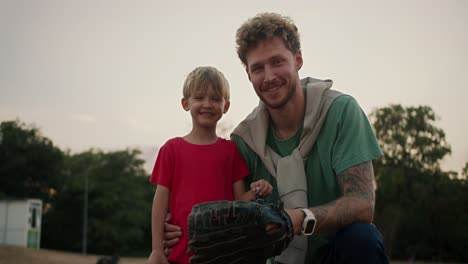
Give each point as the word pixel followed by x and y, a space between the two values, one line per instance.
pixel 206 107
pixel 273 71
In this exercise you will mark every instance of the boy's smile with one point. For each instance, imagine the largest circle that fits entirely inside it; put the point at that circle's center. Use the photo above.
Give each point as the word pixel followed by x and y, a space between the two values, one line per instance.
pixel 206 107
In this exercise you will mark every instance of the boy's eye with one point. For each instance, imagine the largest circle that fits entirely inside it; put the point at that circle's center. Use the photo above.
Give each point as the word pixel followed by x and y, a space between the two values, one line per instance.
pixel 216 99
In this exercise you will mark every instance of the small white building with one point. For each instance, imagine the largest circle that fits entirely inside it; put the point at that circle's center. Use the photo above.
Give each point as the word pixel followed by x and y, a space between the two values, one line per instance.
pixel 20 222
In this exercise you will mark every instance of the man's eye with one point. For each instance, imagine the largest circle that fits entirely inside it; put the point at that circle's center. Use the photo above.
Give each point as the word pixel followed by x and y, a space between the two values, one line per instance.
pixel 256 69
pixel 276 62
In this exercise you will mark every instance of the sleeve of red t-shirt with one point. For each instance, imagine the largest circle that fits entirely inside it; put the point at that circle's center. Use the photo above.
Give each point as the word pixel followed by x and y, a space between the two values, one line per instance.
pixel 163 167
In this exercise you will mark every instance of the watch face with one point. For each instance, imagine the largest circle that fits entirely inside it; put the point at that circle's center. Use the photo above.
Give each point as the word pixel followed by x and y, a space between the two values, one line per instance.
pixel 309 227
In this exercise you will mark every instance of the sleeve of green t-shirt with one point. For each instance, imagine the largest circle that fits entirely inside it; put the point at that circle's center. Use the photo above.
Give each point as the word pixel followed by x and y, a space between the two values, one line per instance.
pixel 247 154
pixel 355 141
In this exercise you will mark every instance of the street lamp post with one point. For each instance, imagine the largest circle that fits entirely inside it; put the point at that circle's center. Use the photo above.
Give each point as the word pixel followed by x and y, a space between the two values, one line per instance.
pixel 85 214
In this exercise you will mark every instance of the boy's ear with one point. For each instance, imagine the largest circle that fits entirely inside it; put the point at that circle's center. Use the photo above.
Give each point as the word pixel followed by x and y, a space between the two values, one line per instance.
pixel 226 106
pixel 184 103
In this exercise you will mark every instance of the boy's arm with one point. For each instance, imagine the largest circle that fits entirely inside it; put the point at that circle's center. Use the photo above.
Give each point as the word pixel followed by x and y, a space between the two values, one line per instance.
pixel 239 193
pixel 158 214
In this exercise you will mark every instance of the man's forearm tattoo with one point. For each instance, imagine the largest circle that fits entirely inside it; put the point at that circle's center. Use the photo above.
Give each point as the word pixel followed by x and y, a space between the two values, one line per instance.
pixel 358 181
pixel 356 204
pixel 357 185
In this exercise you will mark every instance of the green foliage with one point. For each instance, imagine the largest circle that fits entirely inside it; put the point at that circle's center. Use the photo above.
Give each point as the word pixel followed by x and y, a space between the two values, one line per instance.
pixel 119 192
pixel 420 209
pixel 30 165
pixel 119 204
pixel 465 171
pixel 409 138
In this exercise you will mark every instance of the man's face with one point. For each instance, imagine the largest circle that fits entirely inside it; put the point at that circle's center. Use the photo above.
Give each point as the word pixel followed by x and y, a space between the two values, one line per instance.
pixel 273 71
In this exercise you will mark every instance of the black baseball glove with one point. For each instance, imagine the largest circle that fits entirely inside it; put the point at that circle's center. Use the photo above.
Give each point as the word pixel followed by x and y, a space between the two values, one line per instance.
pixel 237 232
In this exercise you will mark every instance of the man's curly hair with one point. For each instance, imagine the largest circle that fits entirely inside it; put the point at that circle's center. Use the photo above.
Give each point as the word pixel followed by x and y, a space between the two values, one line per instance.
pixel 264 26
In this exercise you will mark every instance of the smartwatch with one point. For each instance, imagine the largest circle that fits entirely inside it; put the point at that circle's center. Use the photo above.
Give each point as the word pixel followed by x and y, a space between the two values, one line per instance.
pixel 308 224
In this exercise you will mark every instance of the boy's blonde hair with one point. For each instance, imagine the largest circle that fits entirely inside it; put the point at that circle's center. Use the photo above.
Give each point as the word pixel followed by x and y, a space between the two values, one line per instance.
pixel 204 77
pixel 264 26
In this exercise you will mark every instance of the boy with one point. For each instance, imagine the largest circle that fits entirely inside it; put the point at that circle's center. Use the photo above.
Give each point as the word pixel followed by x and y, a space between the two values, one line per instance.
pixel 198 167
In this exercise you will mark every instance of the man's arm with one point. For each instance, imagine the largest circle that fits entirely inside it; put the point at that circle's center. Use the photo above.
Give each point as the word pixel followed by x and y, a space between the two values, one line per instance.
pixel 172 233
pixel 356 204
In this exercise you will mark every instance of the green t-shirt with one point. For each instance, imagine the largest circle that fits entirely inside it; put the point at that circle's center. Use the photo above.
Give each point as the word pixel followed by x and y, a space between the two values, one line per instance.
pixel 346 139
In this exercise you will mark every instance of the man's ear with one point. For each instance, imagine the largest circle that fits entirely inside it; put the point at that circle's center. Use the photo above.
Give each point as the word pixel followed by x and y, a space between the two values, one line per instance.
pixel 226 106
pixel 247 71
pixel 184 103
pixel 298 59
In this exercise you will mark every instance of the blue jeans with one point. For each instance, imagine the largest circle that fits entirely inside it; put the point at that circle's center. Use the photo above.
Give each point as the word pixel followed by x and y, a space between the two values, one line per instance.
pixel 356 243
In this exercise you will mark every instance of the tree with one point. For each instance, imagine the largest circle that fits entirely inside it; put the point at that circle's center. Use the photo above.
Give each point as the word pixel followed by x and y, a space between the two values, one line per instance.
pixel 465 171
pixel 119 192
pixel 30 164
pixel 419 208
pixel 409 138
pixel 119 207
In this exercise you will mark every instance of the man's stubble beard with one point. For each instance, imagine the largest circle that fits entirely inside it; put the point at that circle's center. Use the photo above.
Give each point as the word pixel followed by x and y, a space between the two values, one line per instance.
pixel 289 95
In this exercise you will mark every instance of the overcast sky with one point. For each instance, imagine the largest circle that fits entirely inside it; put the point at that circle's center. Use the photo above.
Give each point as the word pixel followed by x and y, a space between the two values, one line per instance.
pixel 108 74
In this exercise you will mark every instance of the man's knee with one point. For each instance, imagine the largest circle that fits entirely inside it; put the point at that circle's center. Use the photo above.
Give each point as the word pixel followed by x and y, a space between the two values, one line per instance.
pixel 361 242
pixel 359 234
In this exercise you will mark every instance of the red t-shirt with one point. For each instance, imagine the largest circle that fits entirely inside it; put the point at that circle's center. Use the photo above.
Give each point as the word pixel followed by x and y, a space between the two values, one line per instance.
pixel 195 174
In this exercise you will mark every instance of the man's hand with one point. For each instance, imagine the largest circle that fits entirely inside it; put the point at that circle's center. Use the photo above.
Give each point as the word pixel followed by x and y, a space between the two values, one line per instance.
pixel 297 217
pixel 171 235
pixel 157 257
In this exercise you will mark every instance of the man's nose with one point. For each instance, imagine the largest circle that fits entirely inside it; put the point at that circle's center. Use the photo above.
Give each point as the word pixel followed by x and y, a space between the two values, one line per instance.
pixel 270 75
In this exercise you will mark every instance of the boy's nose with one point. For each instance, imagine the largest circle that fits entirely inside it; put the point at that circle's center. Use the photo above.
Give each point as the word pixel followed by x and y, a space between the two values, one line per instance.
pixel 207 103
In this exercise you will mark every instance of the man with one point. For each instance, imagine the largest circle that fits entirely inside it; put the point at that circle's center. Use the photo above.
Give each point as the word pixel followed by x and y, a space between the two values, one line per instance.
pixel 313 144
